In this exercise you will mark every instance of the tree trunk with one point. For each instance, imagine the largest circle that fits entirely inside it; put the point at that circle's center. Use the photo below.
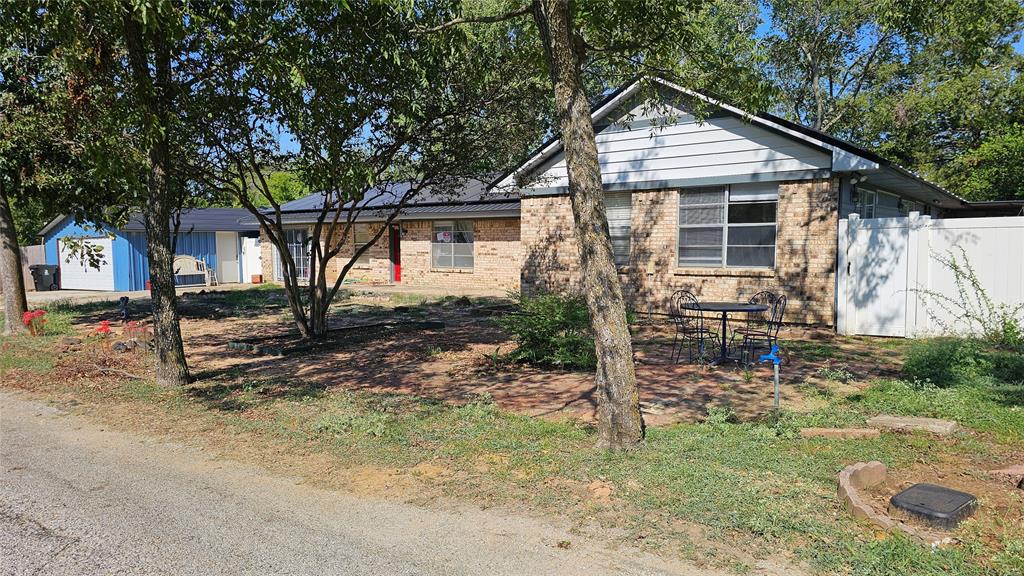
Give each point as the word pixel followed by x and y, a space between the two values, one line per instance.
pixel 620 424
pixel 156 98
pixel 11 278
pixel 171 368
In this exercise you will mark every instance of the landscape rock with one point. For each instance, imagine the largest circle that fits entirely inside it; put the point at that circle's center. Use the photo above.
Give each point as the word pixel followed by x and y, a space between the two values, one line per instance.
pixel 841 433
pixel 125 345
pixel 70 341
pixel 864 475
pixel 910 424
pixel 1013 475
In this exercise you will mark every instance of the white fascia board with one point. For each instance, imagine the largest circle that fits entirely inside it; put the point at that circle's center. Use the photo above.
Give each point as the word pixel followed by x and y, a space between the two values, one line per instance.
pixel 556 145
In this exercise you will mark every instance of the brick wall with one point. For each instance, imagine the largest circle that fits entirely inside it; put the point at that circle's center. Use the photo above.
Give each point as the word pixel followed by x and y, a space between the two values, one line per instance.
pixel 497 257
pixel 805 253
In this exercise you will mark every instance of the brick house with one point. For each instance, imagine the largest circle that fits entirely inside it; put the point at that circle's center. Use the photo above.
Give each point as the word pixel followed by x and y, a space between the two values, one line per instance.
pixel 725 206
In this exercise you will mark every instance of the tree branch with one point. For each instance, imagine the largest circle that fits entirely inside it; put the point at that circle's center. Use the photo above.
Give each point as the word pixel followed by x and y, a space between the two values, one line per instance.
pixel 477 20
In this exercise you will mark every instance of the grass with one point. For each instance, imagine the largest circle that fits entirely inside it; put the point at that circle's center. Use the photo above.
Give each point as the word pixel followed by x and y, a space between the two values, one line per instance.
pixel 754 487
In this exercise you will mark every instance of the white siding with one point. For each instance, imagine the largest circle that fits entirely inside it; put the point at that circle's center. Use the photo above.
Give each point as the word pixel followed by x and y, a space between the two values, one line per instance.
pixel 687 152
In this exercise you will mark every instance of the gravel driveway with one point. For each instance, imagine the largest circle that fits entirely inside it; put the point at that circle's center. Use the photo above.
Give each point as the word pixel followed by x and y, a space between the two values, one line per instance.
pixel 77 499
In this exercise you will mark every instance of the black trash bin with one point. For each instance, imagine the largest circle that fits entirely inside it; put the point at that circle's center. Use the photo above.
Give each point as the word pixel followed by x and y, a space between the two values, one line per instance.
pixel 44 276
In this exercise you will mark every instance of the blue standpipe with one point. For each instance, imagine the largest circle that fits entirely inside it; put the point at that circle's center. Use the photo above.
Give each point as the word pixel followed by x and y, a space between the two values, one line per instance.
pixel 773 357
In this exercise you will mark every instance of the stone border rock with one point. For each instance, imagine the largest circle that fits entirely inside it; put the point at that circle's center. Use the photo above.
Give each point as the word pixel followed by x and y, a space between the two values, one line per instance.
pixel 863 475
pixel 840 433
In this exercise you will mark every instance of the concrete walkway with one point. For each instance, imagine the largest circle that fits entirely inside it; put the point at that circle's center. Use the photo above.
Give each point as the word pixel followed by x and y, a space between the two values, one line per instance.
pixel 76 499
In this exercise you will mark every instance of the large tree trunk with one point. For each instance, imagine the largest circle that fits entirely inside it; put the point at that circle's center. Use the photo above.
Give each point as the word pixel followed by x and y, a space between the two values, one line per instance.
pixel 171 368
pixel 11 278
pixel 619 421
pixel 155 96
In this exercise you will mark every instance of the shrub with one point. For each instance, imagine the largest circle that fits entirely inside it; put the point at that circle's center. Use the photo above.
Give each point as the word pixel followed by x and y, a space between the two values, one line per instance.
pixel 551 330
pixel 946 361
pixel 950 361
pixel 1007 366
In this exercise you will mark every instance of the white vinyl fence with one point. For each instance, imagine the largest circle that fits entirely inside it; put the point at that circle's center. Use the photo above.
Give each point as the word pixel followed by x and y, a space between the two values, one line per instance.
pixel 888 269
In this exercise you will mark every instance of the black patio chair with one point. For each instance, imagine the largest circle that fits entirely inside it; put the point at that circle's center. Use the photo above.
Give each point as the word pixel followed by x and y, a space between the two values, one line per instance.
pixel 691 331
pixel 762 331
pixel 757 322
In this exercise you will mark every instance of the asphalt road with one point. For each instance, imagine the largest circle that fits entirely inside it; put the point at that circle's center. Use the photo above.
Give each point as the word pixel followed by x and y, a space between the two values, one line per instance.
pixel 77 499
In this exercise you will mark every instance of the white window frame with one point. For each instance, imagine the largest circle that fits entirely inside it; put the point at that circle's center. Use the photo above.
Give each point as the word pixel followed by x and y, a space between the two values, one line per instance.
pixel 864 208
pixel 725 226
pixel 299 251
pixel 617 231
pixel 453 226
pixel 361 229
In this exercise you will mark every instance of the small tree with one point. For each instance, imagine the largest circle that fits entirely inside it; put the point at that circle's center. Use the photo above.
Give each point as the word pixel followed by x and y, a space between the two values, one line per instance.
pixel 380 116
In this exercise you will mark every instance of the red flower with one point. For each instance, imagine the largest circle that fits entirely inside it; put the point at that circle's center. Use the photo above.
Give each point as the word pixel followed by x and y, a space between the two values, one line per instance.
pixel 30 315
pixel 104 327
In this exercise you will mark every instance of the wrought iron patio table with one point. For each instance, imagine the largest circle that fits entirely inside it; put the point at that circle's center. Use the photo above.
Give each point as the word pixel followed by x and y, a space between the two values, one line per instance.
pixel 724 308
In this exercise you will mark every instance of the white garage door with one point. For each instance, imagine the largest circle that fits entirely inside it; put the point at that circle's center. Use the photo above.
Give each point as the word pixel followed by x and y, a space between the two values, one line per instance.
pixel 77 275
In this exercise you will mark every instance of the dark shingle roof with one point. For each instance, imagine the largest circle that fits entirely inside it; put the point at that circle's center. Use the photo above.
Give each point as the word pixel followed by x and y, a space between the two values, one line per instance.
pixel 468 198
pixel 203 220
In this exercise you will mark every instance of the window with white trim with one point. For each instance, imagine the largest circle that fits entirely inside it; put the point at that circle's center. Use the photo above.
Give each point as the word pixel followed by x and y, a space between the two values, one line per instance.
pixel 360 237
pixel 728 226
pixel 451 244
pixel 866 203
pixel 619 207
pixel 298 247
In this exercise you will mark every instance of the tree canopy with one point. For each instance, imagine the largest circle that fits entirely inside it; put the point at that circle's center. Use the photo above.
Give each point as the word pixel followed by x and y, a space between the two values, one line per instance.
pixel 926 84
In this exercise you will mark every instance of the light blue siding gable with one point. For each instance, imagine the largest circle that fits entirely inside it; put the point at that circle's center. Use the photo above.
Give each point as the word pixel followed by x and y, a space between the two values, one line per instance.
pixel 650 147
pixel 129 249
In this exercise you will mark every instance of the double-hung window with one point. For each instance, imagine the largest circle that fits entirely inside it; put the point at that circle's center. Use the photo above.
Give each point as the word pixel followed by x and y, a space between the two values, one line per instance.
pixel 619 211
pixel 866 203
pixel 451 245
pixel 361 237
pixel 728 226
pixel 298 247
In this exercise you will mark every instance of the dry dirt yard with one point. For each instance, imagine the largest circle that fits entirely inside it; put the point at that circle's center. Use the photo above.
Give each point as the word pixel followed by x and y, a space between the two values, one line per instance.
pixel 407 400
pixel 446 349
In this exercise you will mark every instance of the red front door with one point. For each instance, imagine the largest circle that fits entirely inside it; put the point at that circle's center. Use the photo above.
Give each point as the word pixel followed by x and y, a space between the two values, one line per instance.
pixel 395 241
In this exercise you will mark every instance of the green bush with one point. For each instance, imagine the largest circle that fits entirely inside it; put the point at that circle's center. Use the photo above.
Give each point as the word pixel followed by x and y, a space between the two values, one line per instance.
pixel 1007 366
pixel 946 361
pixel 951 361
pixel 552 330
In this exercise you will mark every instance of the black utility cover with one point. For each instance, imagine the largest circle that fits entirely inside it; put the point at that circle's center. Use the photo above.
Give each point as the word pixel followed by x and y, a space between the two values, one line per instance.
pixel 934 505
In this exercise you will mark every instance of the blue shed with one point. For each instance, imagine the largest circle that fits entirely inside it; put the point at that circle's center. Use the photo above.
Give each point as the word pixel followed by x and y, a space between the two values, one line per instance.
pixel 212 235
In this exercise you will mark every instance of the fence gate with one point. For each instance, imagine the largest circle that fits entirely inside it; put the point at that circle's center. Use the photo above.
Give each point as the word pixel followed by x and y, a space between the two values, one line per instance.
pixel 887 267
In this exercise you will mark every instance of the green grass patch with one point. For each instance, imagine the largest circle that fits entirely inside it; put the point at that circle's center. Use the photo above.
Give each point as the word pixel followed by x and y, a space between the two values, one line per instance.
pixel 754 484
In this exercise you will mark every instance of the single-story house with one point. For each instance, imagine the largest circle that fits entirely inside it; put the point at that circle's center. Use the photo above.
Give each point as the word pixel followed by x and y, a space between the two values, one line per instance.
pixel 215 236
pixel 725 206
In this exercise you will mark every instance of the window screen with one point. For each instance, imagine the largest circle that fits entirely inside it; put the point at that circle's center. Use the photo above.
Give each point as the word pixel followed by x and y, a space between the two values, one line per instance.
pixel 728 226
pixel 360 237
pixel 298 247
pixel 452 244
pixel 620 210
